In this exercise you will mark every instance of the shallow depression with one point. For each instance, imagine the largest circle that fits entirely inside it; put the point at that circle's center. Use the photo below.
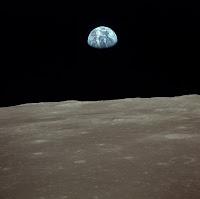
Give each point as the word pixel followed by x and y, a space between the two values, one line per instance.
pixel 178 136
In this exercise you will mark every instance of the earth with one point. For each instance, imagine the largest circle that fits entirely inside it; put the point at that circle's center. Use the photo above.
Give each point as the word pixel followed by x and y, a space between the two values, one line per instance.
pixel 102 37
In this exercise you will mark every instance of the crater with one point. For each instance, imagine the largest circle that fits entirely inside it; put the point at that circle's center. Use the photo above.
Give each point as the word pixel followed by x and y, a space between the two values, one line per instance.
pixel 79 161
pixel 178 136
pixel 39 141
pixel 38 153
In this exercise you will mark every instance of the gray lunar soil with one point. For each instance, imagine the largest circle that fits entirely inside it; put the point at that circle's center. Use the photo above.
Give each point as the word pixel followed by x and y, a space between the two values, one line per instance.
pixel 134 148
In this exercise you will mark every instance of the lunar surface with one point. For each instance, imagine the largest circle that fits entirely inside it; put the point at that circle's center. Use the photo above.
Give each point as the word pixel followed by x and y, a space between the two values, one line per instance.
pixel 134 148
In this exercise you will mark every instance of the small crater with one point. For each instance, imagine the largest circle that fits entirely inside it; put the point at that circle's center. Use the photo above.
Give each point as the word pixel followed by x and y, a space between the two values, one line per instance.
pixel 178 136
pixel 182 160
pixel 6 169
pixel 79 161
pixel 38 153
pixel 60 167
pixel 163 164
pixel 39 141
pixel 84 132
pixel 112 149
pixel 128 158
pixel 181 127
pixel 101 144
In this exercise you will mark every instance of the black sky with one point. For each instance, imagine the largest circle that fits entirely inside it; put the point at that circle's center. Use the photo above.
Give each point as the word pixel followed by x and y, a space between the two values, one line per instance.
pixel 46 57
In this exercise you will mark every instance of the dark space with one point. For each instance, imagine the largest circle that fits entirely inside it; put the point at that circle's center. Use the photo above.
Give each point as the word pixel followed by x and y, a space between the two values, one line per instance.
pixel 46 56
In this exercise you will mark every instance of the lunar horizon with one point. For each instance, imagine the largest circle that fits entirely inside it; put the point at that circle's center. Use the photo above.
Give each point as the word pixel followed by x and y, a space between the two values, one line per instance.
pixel 112 149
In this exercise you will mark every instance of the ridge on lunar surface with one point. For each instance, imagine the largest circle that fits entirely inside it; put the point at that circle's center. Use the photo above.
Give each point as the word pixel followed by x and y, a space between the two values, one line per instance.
pixel 129 148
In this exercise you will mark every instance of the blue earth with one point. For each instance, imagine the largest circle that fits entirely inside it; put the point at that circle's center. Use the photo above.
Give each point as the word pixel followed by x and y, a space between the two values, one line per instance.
pixel 102 37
